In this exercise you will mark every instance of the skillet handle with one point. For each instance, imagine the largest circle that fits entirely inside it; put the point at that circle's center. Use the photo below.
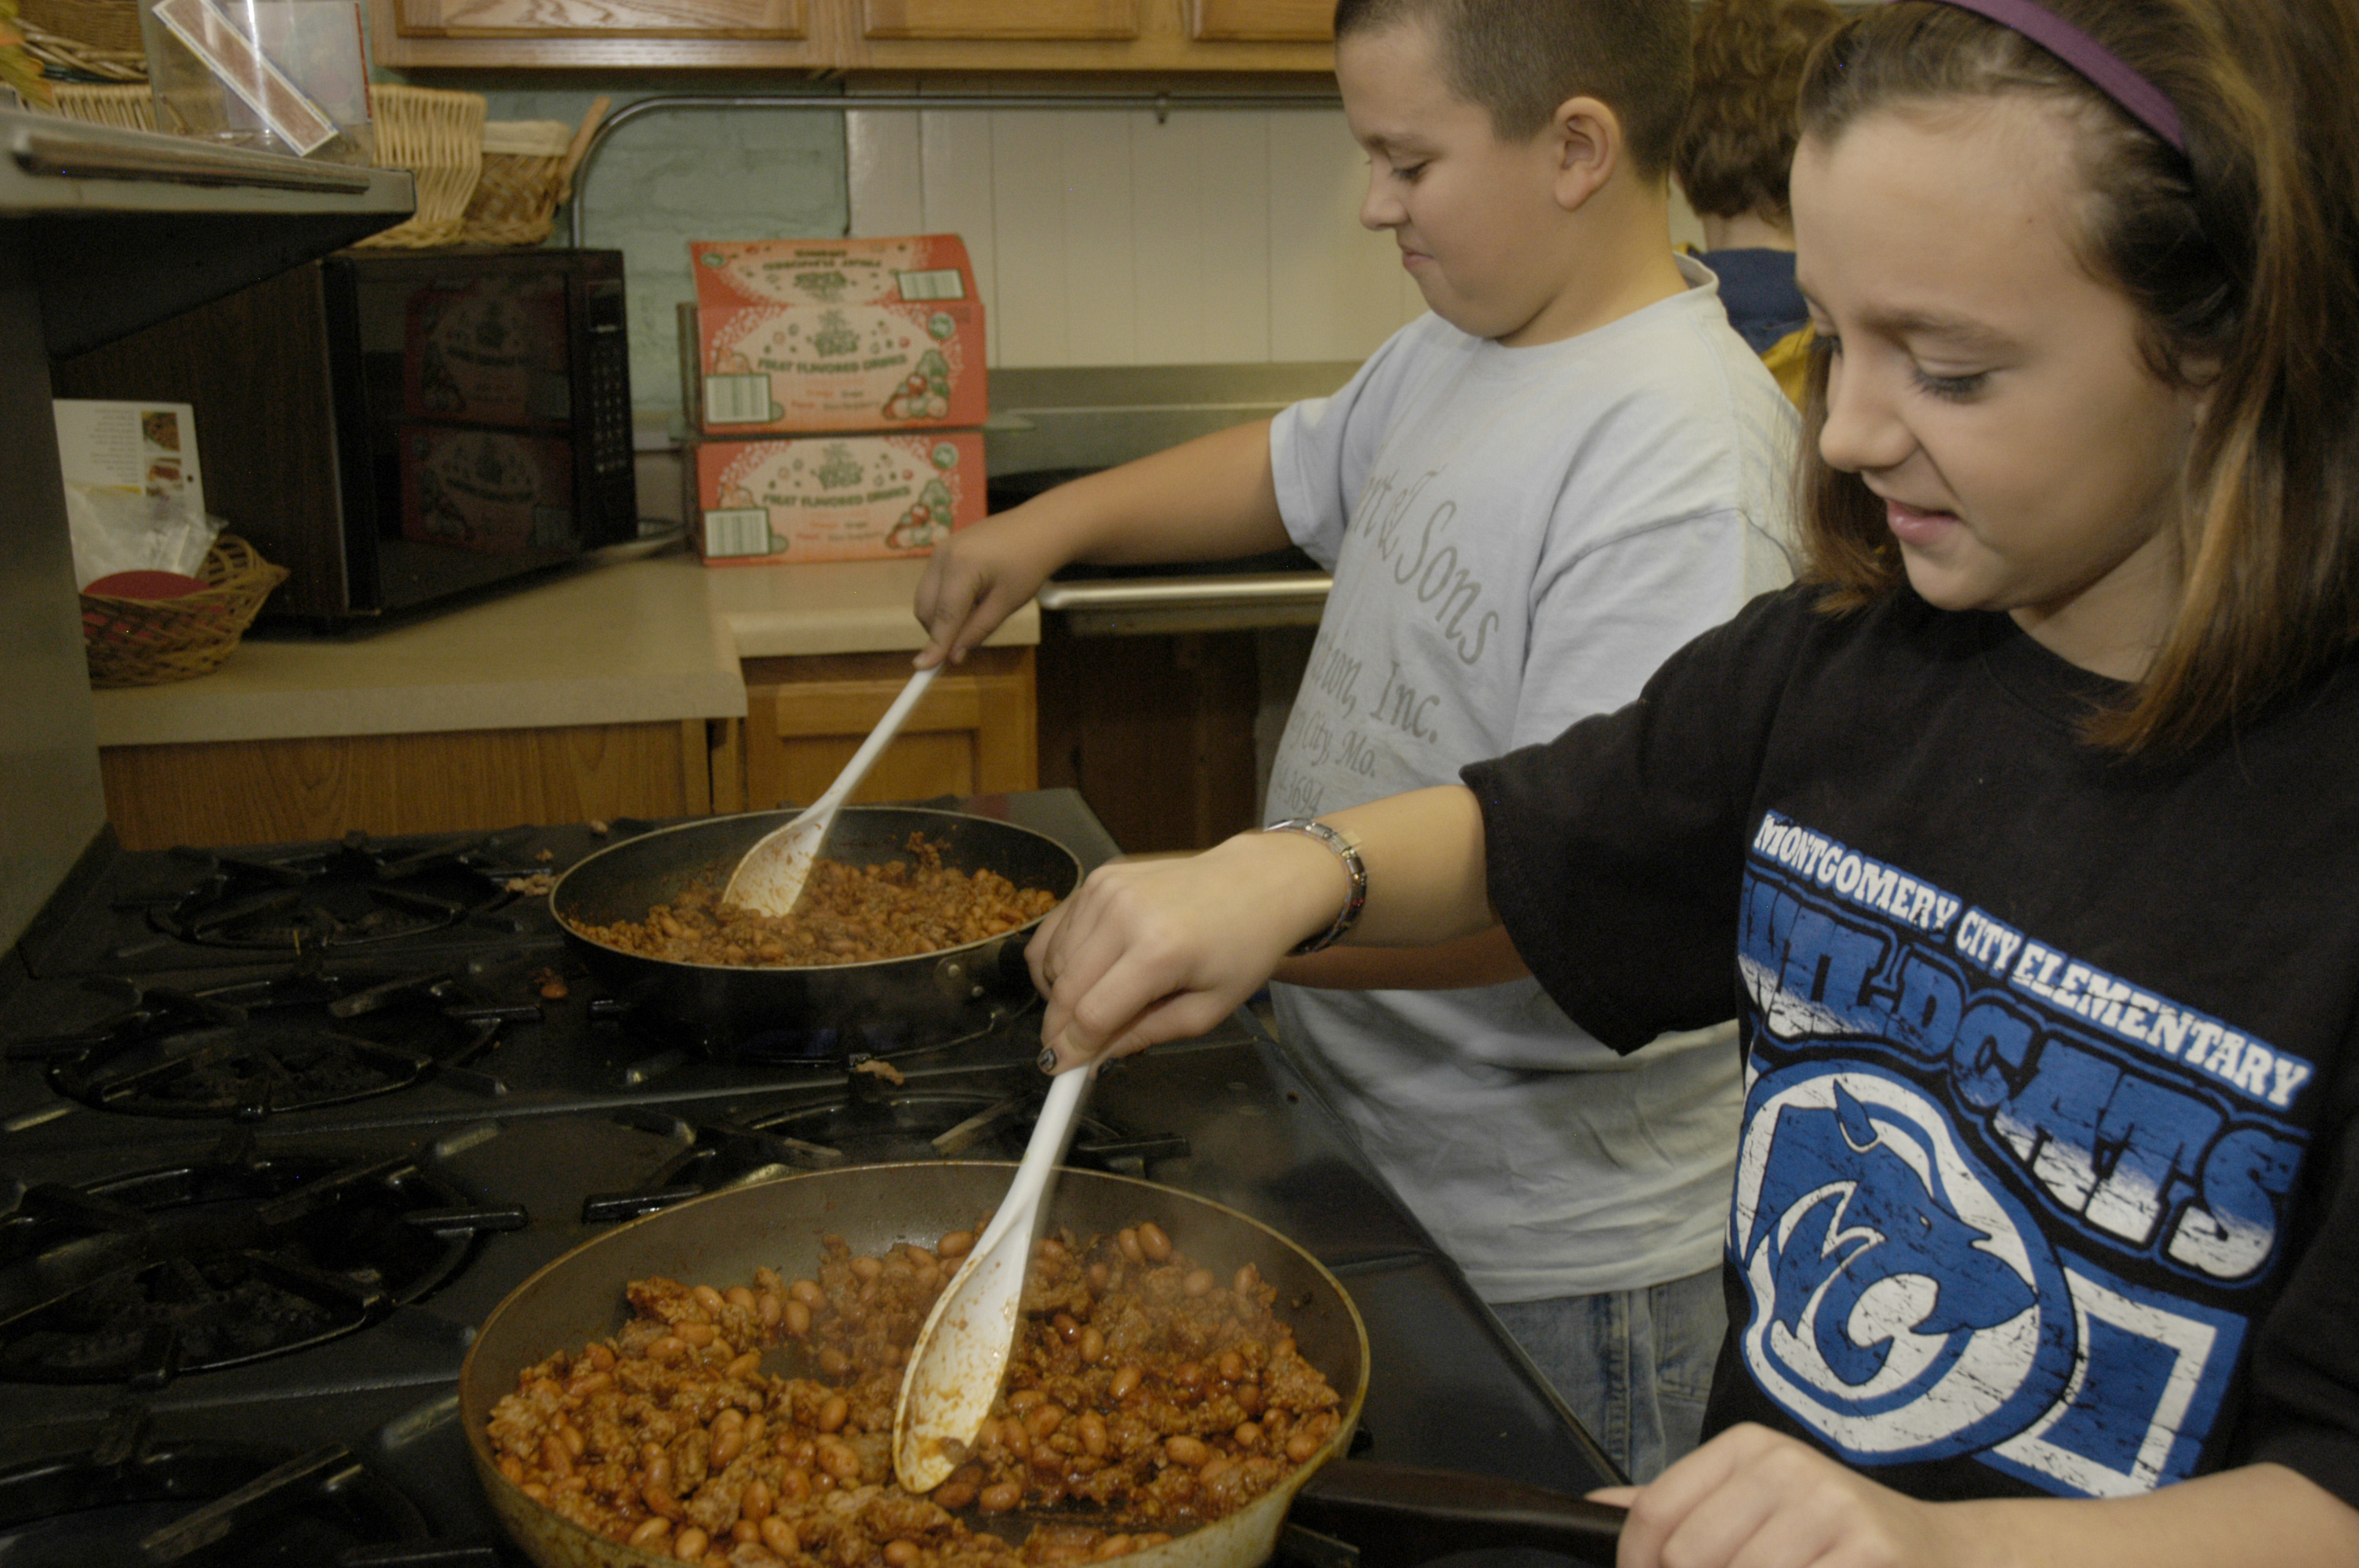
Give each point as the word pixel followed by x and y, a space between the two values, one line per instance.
pixel 1399 1516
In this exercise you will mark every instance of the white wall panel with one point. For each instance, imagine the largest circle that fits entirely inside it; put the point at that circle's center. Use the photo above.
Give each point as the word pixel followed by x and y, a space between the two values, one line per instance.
pixel 1334 287
pixel 1104 237
pixel 1201 219
pixel 1100 300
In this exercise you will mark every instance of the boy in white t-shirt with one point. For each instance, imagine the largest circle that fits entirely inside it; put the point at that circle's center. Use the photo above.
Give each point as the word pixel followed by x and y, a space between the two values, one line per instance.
pixel 1528 498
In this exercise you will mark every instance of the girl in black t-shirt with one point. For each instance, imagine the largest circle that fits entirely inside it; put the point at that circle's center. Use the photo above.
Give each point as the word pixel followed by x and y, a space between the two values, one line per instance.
pixel 2027 818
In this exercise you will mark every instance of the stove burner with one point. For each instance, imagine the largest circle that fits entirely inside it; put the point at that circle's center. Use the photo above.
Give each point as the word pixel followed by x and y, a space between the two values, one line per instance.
pixel 218 1262
pixel 868 1128
pixel 351 895
pixel 268 1044
pixel 201 1503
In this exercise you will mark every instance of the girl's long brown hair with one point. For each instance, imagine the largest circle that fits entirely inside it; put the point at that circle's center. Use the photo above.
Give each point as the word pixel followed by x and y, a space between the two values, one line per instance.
pixel 2243 259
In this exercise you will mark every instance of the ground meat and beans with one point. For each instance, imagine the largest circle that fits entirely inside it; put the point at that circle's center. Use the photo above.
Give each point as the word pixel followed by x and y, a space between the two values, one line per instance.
pixel 1145 1397
pixel 847 914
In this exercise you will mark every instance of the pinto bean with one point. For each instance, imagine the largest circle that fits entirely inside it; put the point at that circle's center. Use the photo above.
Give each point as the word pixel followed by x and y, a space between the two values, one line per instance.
pixel 838 1460
pixel 1126 1379
pixel 661 1501
pixel 1198 1282
pixel 739 1297
pixel 797 1317
pixel 688 1545
pixel 1247 1280
pixel 756 1501
pixel 1301 1447
pixel 1000 1497
pixel 1182 1449
pixel 1231 1367
pixel 651 1529
pixel 833 1413
pixel 1091 1346
pixel 768 1309
pixel 744 1367
pixel 1126 1240
pixel 866 1269
pixel 1154 1243
pixel 957 1244
pixel 779 1536
pixel 900 1554
pixel 1092 1430
pixel 698 1335
pixel 808 1293
pixel 1044 1421
pixel 709 1299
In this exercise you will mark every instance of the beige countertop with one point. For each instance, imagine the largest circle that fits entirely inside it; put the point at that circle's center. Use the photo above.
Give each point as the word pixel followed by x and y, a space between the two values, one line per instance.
pixel 637 642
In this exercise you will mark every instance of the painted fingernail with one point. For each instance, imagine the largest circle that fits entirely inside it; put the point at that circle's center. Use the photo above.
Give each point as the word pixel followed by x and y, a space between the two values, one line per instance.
pixel 1047 1060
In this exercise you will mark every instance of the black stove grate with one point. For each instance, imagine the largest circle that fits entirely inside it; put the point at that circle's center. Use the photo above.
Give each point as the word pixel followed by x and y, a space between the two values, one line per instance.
pixel 357 894
pixel 871 1124
pixel 218 1262
pixel 201 1503
pixel 268 1043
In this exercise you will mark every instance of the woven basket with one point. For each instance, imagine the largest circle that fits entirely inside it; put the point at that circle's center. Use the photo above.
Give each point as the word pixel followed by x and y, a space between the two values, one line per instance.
pixel 131 106
pixel 146 642
pixel 438 137
pixel 522 181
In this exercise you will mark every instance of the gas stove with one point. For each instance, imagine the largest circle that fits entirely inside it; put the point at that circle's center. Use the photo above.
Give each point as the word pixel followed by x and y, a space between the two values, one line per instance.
pixel 279 1127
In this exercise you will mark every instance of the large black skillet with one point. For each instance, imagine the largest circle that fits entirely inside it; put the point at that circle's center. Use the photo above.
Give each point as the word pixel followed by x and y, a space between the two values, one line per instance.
pixel 1392 1516
pixel 815 1010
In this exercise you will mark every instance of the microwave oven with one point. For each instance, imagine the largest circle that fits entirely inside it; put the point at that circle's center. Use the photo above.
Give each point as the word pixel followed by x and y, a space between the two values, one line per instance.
pixel 398 428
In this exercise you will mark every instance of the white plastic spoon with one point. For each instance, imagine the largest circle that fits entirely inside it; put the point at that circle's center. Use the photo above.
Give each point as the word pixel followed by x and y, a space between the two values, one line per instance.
pixel 960 1355
pixel 771 876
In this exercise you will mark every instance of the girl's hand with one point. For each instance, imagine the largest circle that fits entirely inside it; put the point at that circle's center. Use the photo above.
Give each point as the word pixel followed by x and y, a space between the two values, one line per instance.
pixel 1752 1497
pixel 1155 950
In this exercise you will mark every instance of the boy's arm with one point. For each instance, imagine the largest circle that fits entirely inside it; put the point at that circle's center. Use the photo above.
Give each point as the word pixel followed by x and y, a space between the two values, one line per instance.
pixel 1210 499
pixel 1753 1497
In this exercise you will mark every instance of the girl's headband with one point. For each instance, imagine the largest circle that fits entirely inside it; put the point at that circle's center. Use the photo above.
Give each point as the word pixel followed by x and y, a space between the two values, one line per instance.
pixel 2106 70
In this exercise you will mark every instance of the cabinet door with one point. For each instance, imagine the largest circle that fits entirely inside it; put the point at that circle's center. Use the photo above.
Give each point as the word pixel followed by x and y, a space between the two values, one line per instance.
pixel 607 19
pixel 1261 21
pixel 950 19
pixel 973 734
pixel 278 792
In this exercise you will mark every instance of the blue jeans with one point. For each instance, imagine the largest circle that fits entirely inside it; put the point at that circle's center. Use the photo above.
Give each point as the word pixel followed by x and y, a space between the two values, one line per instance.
pixel 1634 1365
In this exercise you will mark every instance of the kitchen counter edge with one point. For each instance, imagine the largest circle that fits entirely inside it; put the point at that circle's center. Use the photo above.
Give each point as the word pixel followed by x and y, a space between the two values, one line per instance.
pixel 637 641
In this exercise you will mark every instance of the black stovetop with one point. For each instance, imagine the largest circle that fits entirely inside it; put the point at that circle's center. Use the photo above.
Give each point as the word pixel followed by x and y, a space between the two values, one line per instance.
pixel 496 1112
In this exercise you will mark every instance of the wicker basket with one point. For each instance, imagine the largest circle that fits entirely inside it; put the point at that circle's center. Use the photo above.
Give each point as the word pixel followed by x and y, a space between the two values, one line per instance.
pixel 88 37
pixel 438 137
pixel 522 181
pixel 146 642
pixel 131 106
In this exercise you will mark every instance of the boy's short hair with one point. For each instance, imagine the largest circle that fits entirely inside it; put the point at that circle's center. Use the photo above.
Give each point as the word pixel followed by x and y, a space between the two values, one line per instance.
pixel 1519 59
pixel 1735 149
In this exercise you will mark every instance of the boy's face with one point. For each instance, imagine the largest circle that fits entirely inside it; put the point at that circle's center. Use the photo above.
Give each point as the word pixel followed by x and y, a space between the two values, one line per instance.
pixel 1477 219
pixel 1984 385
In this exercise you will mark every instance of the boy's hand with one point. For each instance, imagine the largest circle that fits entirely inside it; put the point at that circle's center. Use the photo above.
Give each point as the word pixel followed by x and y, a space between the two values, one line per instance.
pixel 978 577
pixel 1155 950
pixel 1753 1497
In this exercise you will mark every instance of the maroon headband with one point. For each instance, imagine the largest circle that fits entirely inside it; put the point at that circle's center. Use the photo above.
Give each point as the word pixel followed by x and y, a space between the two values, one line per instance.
pixel 2106 70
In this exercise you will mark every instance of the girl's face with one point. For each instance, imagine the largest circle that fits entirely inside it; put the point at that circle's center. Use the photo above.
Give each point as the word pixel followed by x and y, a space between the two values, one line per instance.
pixel 1986 386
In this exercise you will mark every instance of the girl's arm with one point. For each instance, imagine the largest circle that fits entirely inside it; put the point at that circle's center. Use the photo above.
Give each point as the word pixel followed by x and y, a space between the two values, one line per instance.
pixel 1158 950
pixel 1754 1497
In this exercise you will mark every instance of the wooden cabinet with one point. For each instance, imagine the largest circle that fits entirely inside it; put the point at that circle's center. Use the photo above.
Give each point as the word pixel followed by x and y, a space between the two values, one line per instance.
pixel 1156 732
pixel 830 35
pixel 973 733
pixel 272 791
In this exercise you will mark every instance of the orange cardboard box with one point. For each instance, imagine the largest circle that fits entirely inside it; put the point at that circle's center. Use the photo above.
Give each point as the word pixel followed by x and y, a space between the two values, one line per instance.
pixel 798 336
pixel 834 498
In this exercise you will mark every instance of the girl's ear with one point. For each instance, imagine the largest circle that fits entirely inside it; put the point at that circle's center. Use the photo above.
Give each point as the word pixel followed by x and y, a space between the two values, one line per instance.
pixel 1586 137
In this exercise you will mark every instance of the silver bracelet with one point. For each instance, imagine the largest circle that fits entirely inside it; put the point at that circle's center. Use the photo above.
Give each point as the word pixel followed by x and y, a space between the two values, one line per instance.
pixel 1347 851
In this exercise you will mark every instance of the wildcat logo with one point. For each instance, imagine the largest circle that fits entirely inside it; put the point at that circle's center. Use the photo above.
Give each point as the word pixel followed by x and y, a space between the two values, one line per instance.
pixel 1902 1308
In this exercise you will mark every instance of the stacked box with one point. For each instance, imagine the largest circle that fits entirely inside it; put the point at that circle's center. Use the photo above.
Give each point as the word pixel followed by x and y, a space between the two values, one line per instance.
pixel 836 387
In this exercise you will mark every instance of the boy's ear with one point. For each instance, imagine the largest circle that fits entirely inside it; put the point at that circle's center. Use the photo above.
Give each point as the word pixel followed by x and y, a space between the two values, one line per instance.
pixel 1586 136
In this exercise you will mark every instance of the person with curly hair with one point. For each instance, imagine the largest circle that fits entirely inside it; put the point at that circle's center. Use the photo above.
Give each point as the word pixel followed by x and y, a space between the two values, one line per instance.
pixel 1733 151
